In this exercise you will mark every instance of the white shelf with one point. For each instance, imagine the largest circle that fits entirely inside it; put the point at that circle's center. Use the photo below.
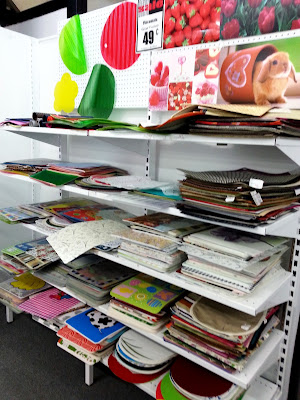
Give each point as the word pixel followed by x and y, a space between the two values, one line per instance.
pixel 287 225
pixel 39 134
pixel 288 145
pixel 275 292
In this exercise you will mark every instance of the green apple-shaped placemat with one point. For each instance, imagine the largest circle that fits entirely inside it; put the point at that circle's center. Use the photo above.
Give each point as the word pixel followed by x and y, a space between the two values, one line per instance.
pixel 99 96
pixel 71 46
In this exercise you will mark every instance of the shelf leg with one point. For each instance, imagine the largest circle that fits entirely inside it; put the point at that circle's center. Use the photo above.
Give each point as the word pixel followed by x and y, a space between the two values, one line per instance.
pixel 9 315
pixel 89 374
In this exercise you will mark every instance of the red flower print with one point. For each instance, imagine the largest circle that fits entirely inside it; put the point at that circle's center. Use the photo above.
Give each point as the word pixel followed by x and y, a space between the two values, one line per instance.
pixel 296 24
pixel 228 7
pixel 266 19
pixel 286 3
pixel 254 3
pixel 231 29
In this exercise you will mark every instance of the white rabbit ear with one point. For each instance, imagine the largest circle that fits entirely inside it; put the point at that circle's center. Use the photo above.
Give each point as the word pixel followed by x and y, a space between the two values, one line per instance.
pixel 292 73
pixel 264 72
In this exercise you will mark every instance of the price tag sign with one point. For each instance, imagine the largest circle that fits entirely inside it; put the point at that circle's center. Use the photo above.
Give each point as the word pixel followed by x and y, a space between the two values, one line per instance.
pixel 150 22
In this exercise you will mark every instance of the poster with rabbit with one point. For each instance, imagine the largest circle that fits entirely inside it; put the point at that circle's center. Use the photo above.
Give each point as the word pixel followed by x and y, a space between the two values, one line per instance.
pixel 261 73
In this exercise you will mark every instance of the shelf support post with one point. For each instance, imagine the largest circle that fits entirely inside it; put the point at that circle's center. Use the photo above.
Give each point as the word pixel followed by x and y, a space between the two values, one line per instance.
pixel 290 324
pixel 89 374
pixel 9 315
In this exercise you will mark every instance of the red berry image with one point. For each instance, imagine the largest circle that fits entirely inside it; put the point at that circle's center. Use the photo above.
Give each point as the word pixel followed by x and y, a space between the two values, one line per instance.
pixel 158 68
pixel 154 79
pixel 165 72
pixel 154 98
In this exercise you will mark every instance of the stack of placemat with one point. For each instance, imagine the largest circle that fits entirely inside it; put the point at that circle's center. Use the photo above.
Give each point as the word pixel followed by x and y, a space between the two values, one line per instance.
pixel 141 301
pixel 137 359
pixel 243 196
pixel 50 303
pixel 230 259
pixel 219 334
pixel 15 289
pixel 189 381
pixel 151 250
pixel 90 335
pixel 33 255
pixel 94 282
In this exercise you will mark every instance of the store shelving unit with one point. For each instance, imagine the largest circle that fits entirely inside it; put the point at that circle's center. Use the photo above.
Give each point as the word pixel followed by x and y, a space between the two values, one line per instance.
pixel 282 289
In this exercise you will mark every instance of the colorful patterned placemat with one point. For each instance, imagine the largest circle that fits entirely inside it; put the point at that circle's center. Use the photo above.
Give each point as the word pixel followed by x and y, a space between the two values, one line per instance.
pixel 94 325
pixel 50 303
pixel 146 292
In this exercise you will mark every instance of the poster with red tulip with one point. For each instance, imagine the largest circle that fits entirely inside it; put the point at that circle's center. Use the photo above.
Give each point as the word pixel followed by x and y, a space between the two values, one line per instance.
pixel 261 73
pixel 188 22
pixel 241 18
pixel 180 77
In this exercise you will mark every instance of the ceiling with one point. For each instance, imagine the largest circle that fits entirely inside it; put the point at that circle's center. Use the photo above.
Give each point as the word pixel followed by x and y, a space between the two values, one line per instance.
pixel 15 11
pixel 21 5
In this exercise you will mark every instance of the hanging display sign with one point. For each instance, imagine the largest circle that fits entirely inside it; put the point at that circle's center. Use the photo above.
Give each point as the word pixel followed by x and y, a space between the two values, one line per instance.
pixel 149 25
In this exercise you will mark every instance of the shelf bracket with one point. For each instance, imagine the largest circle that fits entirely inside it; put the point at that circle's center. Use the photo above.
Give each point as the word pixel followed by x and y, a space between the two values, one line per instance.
pixel 42 137
pixel 288 147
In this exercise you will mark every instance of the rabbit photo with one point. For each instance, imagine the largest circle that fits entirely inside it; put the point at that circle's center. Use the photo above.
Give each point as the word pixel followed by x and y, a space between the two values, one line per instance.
pixel 270 78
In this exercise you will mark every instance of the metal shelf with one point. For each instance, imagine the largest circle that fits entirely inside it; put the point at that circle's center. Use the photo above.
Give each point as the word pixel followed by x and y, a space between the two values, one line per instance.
pixel 287 225
pixel 288 145
pixel 41 133
pixel 273 292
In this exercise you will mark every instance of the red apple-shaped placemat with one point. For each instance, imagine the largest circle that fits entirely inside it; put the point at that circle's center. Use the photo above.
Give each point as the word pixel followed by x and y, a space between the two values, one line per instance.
pixel 119 36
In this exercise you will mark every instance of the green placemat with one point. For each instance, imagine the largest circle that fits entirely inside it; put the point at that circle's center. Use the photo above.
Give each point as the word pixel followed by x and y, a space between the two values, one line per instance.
pixel 53 178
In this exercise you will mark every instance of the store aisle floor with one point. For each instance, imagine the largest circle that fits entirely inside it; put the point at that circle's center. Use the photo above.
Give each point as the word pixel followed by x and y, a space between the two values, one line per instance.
pixel 32 367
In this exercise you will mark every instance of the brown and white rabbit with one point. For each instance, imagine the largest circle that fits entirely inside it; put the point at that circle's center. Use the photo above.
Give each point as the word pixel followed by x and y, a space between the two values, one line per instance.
pixel 270 78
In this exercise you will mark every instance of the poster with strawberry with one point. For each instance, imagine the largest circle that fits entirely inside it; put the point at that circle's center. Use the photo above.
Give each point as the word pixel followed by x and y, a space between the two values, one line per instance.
pixel 188 22
pixel 206 71
pixel 189 75
pixel 159 86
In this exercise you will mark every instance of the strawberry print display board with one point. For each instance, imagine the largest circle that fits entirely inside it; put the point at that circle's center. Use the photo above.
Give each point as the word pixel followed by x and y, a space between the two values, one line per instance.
pixel 255 17
pixel 189 22
pixel 261 73
pixel 145 292
pixel 183 76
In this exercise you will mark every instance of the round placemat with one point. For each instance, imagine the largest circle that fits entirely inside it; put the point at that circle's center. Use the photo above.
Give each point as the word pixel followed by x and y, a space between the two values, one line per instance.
pixel 128 376
pixel 197 380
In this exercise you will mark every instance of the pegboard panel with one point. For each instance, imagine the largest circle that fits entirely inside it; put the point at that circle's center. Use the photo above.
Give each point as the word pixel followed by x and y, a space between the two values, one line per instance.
pixel 132 84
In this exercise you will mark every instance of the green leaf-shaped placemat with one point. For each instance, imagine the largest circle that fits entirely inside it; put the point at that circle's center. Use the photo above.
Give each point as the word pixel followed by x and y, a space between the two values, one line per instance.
pixel 99 96
pixel 71 46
